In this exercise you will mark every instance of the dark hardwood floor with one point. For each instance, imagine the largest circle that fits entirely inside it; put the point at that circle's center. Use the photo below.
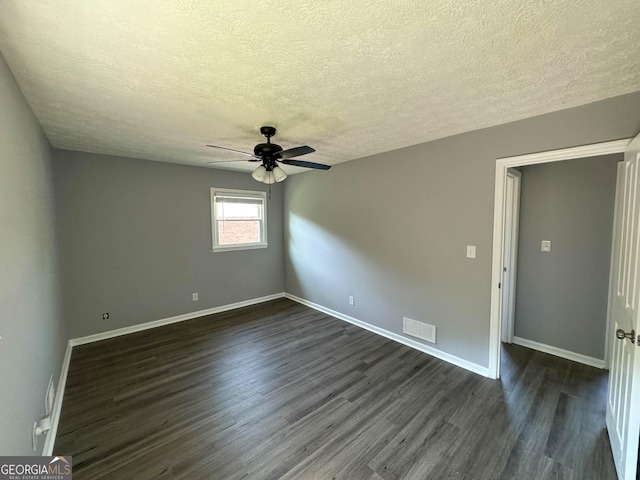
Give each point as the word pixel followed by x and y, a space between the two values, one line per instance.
pixel 278 390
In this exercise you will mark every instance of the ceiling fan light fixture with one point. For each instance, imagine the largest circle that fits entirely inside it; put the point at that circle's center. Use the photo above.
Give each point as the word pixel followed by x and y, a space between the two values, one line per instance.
pixel 278 174
pixel 269 178
pixel 259 173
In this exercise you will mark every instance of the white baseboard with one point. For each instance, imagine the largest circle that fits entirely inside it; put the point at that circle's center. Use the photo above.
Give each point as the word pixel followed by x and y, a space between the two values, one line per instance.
pixel 57 403
pixel 559 352
pixel 166 321
pixel 460 362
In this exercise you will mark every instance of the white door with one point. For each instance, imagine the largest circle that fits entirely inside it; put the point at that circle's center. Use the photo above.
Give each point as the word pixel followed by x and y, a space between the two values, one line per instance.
pixel 623 405
pixel 510 259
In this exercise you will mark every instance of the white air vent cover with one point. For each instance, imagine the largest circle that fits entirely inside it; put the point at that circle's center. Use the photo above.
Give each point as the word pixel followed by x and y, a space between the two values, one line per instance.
pixel 421 330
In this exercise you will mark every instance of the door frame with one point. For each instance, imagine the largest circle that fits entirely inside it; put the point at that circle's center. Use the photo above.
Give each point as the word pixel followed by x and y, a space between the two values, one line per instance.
pixel 510 260
pixel 502 164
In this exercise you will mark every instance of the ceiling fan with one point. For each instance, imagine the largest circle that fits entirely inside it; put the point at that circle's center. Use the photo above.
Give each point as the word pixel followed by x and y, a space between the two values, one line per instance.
pixel 269 155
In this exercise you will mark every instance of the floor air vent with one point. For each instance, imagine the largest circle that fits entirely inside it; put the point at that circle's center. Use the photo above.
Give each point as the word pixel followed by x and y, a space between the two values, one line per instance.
pixel 420 330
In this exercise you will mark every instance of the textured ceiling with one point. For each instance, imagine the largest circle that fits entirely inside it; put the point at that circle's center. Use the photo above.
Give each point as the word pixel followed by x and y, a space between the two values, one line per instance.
pixel 159 80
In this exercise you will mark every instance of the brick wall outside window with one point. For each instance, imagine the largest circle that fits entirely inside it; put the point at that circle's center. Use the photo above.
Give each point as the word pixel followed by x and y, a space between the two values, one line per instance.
pixel 233 232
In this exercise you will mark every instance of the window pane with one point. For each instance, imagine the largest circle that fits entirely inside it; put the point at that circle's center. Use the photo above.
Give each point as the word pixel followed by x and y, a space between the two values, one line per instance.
pixel 232 232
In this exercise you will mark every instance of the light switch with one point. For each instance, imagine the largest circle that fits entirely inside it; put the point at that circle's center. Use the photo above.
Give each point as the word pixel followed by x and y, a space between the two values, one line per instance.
pixel 545 246
pixel 471 251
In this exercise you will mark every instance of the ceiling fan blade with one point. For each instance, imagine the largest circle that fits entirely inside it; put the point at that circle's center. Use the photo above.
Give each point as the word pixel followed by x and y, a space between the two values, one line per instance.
pixel 302 163
pixel 238 160
pixel 296 152
pixel 232 150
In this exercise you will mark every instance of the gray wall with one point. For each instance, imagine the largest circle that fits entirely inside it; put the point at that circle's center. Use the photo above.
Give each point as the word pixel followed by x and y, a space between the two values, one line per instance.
pixel 391 229
pixel 561 296
pixel 31 324
pixel 135 239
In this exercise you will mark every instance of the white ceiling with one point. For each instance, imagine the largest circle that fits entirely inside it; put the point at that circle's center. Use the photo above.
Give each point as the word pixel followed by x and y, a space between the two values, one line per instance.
pixel 159 80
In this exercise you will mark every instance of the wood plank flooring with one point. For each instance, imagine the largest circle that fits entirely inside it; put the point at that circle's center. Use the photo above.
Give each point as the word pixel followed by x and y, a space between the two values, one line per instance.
pixel 280 391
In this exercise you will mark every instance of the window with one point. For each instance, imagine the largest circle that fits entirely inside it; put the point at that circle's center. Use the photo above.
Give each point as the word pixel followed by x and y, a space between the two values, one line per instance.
pixel 239 219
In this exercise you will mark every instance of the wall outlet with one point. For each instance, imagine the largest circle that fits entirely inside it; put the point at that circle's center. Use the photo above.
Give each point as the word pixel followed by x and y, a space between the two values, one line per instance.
pixel 105 316
pixel 352 300
pixel 194 296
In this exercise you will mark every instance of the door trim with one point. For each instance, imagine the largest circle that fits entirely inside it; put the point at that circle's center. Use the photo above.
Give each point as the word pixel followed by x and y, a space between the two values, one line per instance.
pixel 502 164
pixel 510 257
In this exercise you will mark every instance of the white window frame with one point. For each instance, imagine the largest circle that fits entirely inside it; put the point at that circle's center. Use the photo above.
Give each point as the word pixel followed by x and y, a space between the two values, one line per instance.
pixel 250 194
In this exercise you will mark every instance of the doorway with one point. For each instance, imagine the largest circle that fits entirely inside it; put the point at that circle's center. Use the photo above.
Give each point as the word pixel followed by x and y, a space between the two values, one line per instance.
pixel 502 167
pixel 563 257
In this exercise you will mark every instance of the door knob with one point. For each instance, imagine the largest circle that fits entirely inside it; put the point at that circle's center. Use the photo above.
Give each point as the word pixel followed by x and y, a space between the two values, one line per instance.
pixel 621 335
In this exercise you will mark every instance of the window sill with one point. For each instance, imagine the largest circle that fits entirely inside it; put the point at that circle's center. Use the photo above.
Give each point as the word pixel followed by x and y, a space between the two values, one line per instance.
pixel 231 248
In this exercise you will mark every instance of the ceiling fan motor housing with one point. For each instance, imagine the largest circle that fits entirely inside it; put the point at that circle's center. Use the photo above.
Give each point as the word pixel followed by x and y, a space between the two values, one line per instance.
pixel 266 150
